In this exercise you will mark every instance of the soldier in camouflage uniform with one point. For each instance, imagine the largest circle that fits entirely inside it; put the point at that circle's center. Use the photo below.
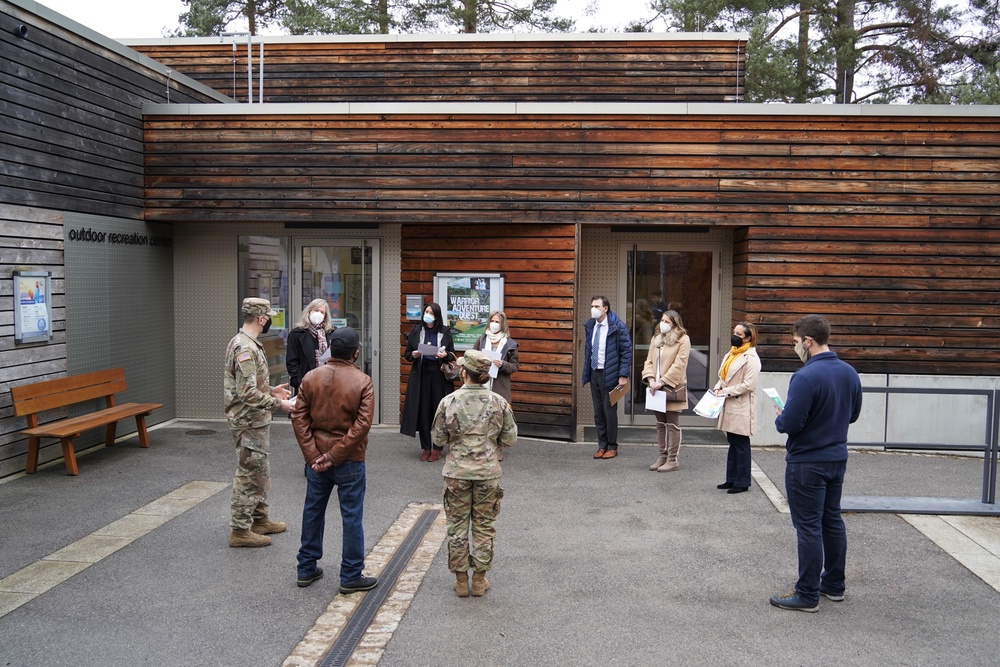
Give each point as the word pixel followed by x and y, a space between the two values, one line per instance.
pixel 474 423
pixel 249 401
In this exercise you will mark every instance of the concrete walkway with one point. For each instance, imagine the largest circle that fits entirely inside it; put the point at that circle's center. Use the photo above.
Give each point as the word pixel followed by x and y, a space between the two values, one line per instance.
pixel 598 563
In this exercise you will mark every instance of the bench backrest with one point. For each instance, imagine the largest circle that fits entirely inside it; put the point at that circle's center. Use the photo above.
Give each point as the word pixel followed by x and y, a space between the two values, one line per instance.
pixel 38 397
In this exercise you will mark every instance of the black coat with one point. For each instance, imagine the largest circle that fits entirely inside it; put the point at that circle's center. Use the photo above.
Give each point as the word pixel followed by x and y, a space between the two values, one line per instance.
pixel 300 354
pixel 426 384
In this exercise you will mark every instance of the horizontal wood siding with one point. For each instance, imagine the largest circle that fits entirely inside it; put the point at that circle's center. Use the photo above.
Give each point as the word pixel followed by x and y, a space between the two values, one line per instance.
pixel 538 265
pixel 887 224
pixel 570 71
pixel 71 121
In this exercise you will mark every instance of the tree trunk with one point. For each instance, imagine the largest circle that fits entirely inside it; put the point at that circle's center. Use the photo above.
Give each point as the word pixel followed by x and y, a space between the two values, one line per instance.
pixel 251 11
pixel 802 61
pixel 845 41
pixel 383 16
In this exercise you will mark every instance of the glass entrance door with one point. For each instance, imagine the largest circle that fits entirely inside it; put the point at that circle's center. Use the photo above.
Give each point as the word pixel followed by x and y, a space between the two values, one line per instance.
pixel 669 277
pixel 345 273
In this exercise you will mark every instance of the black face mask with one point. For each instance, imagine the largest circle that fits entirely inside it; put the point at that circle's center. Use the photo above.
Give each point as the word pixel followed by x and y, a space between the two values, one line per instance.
pixel 735 341
pixel 267 326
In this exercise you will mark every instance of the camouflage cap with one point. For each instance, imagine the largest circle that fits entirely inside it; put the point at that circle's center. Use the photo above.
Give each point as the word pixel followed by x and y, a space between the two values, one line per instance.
pixel 252 306
pixel 476 361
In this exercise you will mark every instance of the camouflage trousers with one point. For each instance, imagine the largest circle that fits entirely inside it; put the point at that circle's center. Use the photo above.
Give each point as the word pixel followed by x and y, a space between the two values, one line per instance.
pixel 471 505
pixel 252 478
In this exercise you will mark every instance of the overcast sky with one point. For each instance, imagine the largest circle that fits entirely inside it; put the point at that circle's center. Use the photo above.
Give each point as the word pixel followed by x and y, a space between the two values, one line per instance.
pixel 149 18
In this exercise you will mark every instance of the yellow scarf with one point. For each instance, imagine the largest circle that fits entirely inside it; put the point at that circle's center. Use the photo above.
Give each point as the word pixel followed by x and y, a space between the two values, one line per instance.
pixel 733 353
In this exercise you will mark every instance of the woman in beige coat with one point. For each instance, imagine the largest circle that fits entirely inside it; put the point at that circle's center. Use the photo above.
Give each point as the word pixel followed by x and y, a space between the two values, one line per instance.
pixel 738 383
pixel 666 366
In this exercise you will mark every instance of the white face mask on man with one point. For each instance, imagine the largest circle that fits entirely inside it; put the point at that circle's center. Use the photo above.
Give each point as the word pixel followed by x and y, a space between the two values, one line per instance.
pixel 317 317
pixel 596 312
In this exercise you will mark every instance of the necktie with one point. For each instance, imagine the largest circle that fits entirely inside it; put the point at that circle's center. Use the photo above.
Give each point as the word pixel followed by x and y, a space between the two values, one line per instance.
pixel 596 346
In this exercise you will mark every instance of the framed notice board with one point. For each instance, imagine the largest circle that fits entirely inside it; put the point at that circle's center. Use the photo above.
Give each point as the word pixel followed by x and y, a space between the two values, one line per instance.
pixel 32 307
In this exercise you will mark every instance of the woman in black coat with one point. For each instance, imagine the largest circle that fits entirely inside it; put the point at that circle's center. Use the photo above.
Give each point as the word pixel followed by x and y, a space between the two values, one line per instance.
pixel 426 385
pixel 308 341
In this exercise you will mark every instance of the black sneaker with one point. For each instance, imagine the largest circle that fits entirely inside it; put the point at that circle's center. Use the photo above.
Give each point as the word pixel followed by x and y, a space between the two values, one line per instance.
pixel 794 602
pixel 358 585
pixel 302 582
pixel 832 596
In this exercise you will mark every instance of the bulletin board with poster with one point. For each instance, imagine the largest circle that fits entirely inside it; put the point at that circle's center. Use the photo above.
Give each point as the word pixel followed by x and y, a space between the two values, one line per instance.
pixel 32 307
pixel 467 299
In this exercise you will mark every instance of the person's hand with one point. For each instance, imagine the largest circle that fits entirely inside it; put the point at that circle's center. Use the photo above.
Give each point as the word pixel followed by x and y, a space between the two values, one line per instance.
pixel 498 362
pixel 777 410
pixel 441 355
pixel 322 463
pixel 281 392
pixel 286 405
pixel 415 355
pixel 622 381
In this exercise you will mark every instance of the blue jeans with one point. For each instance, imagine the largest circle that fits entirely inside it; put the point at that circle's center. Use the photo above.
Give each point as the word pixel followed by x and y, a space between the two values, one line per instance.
pixel 814 491
pixel 349 478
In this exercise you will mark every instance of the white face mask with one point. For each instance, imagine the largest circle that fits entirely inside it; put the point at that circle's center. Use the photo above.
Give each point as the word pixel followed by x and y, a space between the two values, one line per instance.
pixel 596 313
pixel 495 327
pixel 429 319
pixel 317 318
pixel 665 327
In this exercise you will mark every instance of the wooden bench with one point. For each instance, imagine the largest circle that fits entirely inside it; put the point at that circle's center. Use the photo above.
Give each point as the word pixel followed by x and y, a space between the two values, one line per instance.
pixel 32 399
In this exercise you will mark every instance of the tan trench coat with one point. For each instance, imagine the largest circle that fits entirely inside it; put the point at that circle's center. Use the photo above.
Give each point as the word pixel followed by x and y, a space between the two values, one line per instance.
pixel 673 365
pixel 739 412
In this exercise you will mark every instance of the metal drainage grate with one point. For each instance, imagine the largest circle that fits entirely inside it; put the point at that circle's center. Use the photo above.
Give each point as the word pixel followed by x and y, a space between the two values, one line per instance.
pixel 200 431
pixel 362 618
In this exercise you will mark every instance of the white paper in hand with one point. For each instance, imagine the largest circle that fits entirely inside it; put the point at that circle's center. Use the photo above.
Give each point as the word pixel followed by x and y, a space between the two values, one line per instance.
pixel 656 402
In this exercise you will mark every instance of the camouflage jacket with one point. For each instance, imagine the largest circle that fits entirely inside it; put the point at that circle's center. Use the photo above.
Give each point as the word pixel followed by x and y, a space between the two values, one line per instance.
pixel 248 401
pixel 474 423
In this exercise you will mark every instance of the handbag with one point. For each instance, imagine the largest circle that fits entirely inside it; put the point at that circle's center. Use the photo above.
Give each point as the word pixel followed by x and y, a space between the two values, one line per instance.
pixel 450 370
pixel 678 393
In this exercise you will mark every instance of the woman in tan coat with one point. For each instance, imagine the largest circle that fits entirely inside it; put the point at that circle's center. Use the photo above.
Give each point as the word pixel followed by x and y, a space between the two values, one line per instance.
pixel 738 383
pixel 666 366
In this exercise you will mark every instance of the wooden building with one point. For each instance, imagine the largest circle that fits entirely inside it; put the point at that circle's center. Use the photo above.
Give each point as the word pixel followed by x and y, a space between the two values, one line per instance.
pixel 623 165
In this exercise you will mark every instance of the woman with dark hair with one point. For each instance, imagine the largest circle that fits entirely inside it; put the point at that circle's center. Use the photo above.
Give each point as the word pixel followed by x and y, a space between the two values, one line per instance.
pixel 738 383
pixel 308 341
pixel 426 384
pixel 666 366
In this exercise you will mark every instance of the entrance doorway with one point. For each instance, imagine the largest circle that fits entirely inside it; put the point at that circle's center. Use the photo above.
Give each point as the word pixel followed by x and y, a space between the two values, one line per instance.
pixel 659 277
pixel 344 273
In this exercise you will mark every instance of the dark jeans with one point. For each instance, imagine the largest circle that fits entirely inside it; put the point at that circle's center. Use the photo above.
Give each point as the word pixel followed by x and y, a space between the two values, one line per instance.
pixel 738 460
pixel 605 414
pixel 814 491
pixel 349 478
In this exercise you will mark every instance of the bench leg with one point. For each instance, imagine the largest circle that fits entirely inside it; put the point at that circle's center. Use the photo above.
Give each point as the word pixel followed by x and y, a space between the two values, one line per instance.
pixel 140 426
pixel 31 465
pixel 70 456
pixel 109 434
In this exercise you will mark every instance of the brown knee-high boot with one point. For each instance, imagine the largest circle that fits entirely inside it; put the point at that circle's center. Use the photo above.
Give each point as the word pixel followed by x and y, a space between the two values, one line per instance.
pixel 661 443
pixel 673 445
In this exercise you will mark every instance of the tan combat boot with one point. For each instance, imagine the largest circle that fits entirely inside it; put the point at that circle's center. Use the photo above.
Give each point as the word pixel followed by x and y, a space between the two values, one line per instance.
pixel 661 443
pixel 266 527
pixel 247 538
pixel 673 445
pixel 462 584
pixel 480 584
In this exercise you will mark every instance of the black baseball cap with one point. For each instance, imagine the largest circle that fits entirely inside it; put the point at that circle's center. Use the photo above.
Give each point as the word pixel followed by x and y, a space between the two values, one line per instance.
pixel 345 338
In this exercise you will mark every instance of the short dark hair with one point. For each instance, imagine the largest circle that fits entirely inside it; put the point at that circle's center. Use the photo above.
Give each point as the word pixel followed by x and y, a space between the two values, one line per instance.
pixel 815 326
pixel 603 299
pixel 248 318
pixel 337 352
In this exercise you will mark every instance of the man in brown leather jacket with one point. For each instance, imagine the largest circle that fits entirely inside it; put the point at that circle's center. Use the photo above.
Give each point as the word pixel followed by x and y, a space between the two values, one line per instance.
pixel 332 416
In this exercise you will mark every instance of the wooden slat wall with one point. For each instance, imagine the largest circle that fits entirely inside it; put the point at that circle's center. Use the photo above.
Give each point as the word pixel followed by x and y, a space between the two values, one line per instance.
pixel 538 263
pixel 887 224
pixel 70 119
pixel 571 71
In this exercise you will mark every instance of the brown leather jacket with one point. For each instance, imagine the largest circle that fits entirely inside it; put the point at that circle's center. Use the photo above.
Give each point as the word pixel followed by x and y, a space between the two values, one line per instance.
pixel 333 412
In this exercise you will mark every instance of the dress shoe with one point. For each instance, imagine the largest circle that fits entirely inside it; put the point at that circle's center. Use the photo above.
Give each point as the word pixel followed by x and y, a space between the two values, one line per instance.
pixel 435 455
pixel 738 489
pixel 599 454
pixel 424 454
pixel 725 485
pixel 610 454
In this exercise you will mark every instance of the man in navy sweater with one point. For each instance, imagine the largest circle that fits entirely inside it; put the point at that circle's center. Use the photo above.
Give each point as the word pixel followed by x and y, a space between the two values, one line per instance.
pixel 824 399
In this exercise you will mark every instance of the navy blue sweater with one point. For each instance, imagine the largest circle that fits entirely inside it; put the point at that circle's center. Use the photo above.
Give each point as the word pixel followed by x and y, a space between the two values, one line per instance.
pixel 824 398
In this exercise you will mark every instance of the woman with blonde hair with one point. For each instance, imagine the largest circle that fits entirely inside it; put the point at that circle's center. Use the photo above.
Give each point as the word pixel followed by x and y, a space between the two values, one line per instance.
pixel 738 383
pixel 666 366
pixel 308 341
